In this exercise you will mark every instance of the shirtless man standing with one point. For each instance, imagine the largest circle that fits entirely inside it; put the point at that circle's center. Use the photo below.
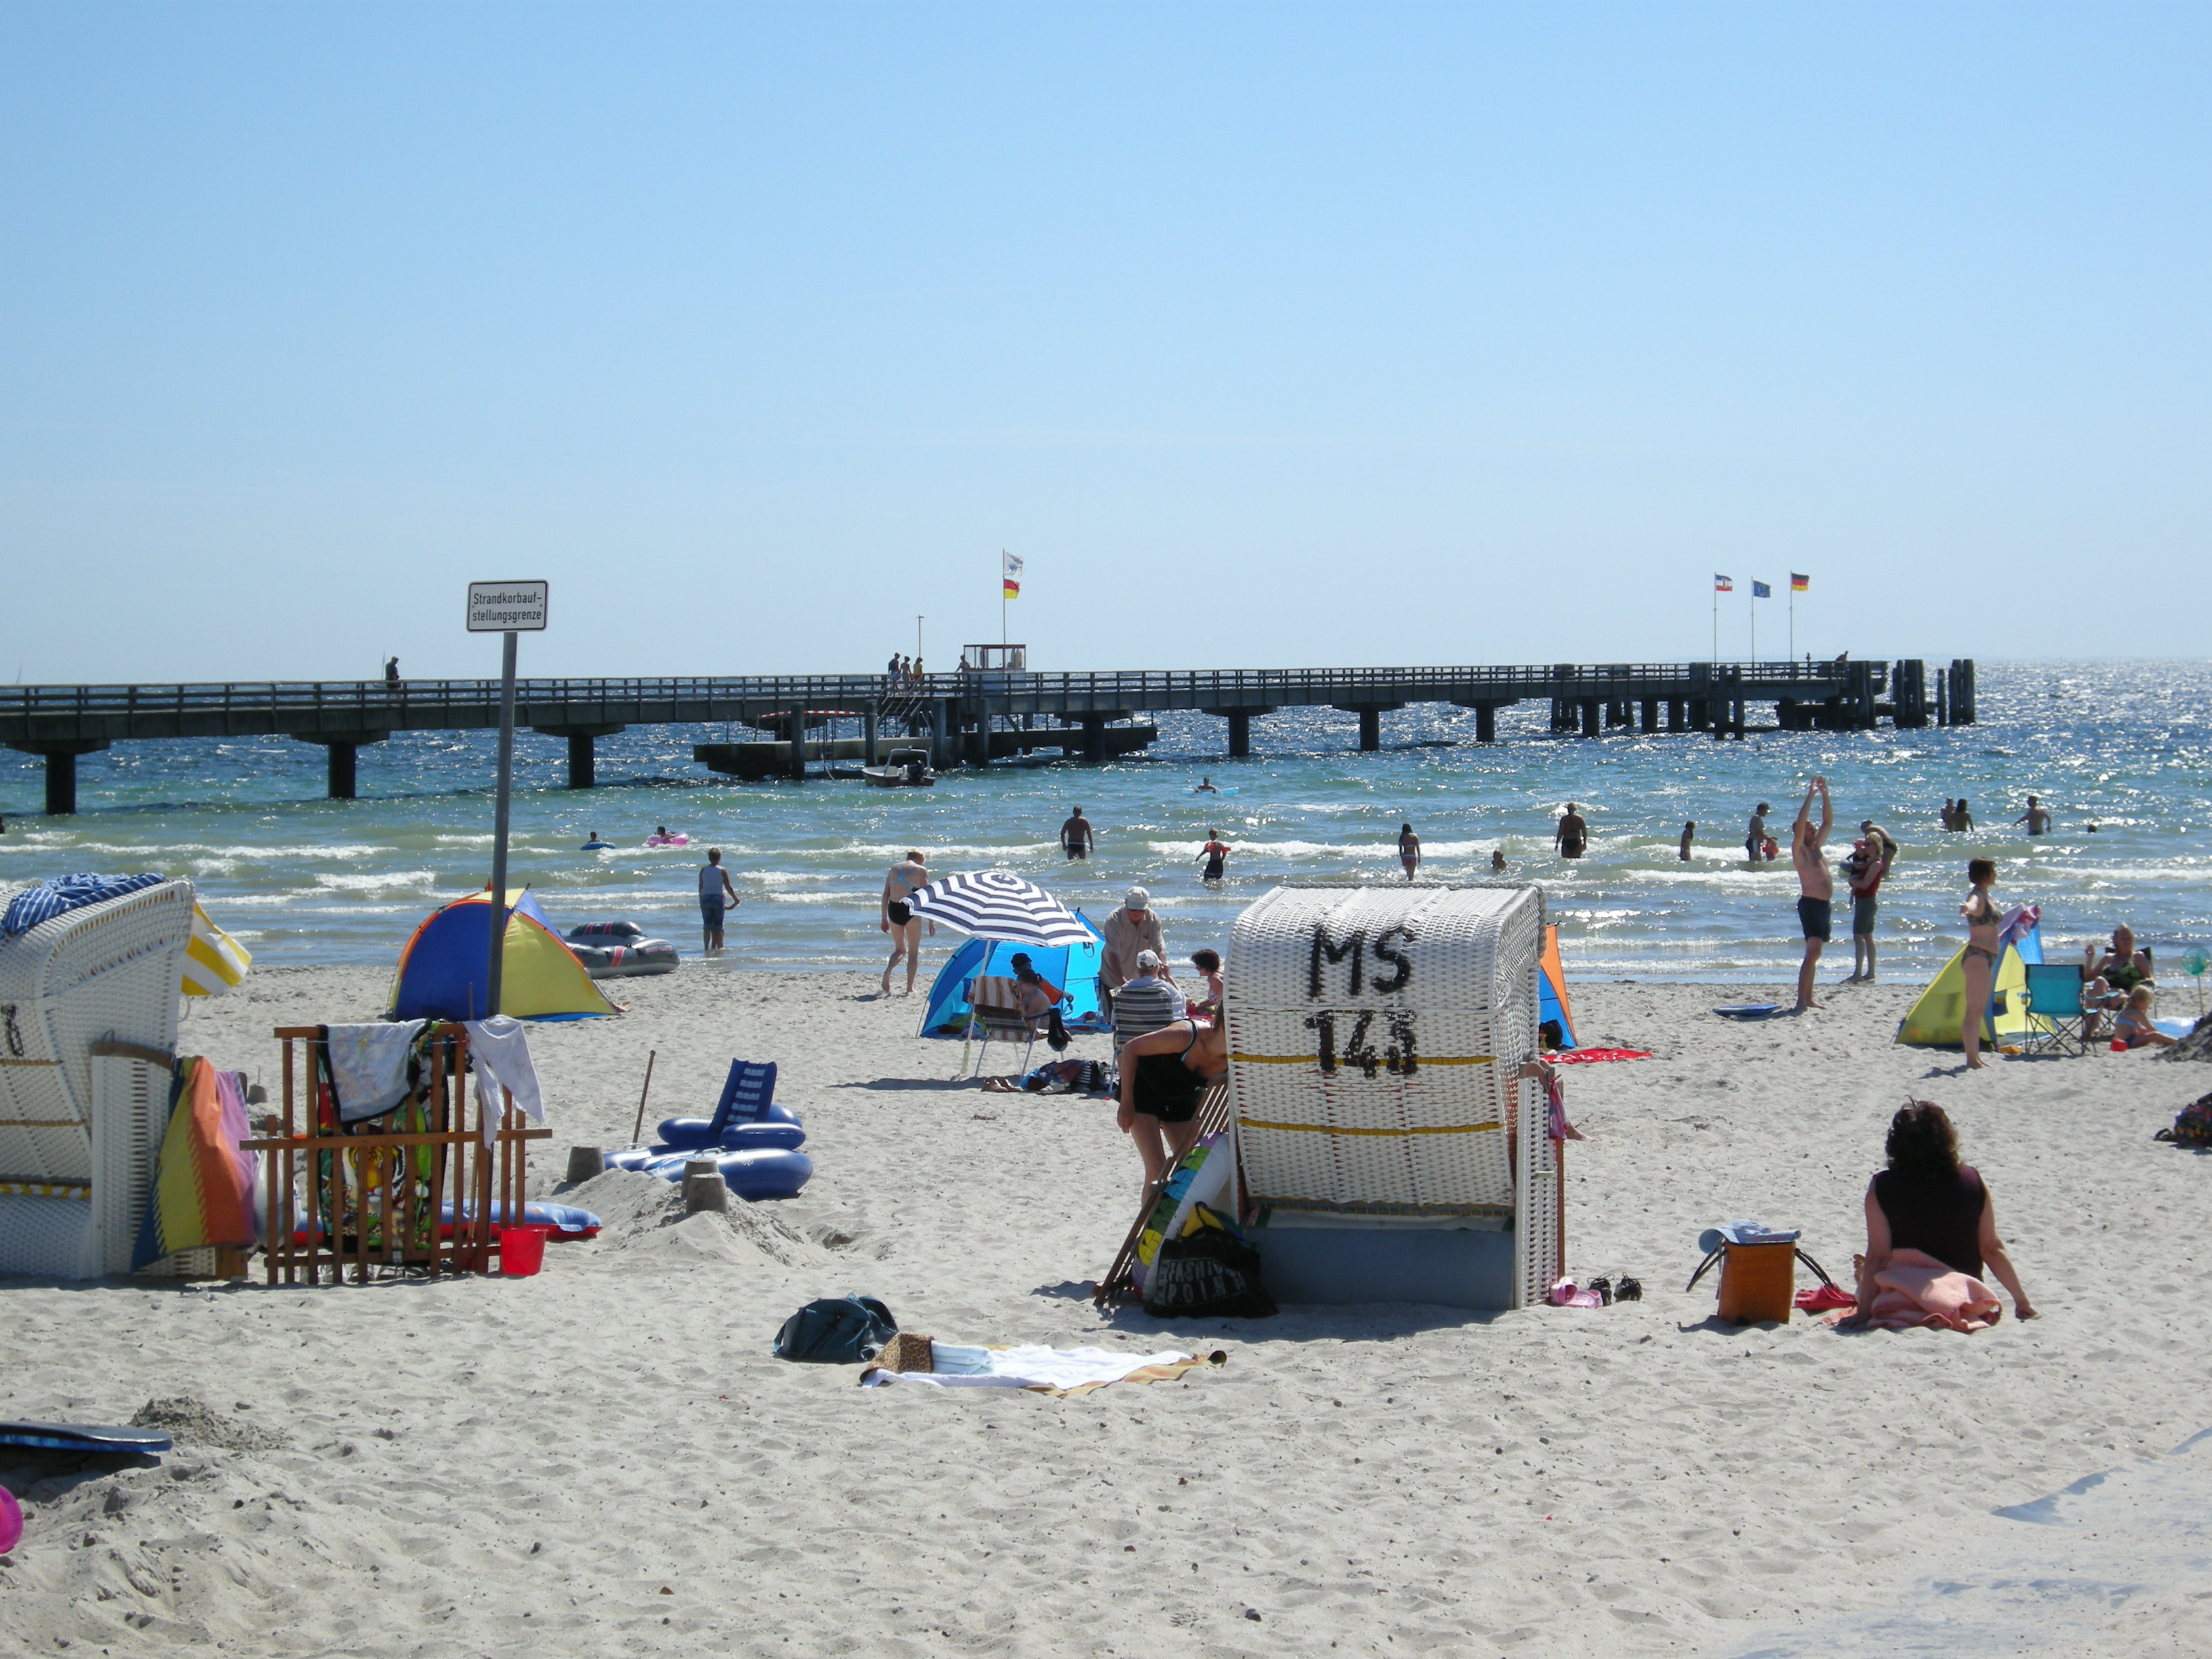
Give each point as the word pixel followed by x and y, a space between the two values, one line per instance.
pixel 1573 834
pixel 1816 885
pixel 2037 819
pixel 1075 836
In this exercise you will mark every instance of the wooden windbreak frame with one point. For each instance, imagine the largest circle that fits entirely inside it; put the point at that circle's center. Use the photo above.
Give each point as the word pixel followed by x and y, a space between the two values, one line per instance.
pixel 396 1185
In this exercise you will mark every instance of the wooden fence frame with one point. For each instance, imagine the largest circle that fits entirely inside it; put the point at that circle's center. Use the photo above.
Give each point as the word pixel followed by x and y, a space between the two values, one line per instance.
pixel 483 1174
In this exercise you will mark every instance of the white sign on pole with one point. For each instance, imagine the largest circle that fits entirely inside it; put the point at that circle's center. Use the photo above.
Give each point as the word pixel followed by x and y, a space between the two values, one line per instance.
pixel 507 607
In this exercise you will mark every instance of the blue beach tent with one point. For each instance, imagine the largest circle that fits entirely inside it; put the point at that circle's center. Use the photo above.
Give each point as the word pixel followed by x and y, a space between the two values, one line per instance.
pixel 1074 967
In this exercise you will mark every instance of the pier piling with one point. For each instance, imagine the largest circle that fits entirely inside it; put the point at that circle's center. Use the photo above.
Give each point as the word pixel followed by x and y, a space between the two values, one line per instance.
pixel 61 773
pixel 1240 734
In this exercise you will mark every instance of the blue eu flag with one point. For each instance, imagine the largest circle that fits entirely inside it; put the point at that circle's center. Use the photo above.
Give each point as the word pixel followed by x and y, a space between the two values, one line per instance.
pixel 1761 591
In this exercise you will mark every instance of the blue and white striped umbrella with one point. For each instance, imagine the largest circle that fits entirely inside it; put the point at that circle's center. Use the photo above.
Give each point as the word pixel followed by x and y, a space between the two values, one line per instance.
pixel 999 906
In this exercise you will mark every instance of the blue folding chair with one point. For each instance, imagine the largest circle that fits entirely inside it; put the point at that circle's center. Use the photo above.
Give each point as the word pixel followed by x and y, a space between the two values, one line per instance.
pixel 2056 1022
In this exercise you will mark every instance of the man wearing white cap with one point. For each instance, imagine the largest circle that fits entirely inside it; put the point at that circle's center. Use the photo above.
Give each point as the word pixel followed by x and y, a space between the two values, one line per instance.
pixel 1133 928
pixel 1146 1002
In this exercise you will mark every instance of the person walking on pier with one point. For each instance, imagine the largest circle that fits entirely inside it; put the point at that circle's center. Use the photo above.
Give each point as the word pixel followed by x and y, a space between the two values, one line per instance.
pixel 713 890
pixel 1409 849
pixel 392 673
pixel 1075 837
pixel 1816 885
pixel 899 920
pixel 1573 834
pixel 893 669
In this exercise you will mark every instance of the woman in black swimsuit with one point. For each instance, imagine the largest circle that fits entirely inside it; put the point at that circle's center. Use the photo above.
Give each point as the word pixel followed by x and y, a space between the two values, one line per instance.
pixel 1983 920
pixel 1164 1077
pixel 899 920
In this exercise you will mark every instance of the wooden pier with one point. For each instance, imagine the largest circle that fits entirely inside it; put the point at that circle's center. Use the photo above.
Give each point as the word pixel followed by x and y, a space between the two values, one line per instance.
pixel 967 718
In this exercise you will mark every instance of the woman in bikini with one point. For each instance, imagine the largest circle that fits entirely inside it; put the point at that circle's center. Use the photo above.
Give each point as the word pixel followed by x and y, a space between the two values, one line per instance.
pixel 1984 921
pixel 899 919
pixel 1164 1075
pixel 1409 849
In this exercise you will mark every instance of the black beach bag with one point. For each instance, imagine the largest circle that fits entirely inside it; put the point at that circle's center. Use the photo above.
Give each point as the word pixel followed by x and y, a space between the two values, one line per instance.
pixel 1211 1274
pixel 836 1331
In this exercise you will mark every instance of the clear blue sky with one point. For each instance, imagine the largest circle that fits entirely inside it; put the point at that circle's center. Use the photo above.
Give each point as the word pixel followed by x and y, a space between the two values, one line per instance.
pixel 1268 334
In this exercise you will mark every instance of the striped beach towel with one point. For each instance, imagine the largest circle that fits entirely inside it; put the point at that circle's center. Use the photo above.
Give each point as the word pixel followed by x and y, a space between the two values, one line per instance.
pixel 59 895
pixel 214 961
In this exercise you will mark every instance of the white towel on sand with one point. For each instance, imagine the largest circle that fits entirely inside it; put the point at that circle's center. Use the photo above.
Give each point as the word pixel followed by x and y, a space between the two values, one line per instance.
pixel 1037 1367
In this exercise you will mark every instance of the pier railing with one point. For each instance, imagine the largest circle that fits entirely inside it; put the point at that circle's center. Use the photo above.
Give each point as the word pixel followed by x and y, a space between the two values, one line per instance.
pixel 428 704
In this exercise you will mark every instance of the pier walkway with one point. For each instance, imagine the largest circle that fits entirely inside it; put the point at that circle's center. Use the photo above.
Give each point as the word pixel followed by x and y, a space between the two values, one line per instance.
pixel 967 717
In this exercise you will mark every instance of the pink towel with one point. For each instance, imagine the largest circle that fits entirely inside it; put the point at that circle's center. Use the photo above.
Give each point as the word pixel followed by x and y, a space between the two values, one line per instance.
pixel 1918 1289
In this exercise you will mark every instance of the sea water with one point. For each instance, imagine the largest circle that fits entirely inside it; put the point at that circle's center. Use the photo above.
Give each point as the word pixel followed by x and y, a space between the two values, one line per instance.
pixel 301 879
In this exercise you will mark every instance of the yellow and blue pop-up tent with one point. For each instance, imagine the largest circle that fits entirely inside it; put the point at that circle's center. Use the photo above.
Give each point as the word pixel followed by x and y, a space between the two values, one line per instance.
pixel 443 970
pixel 1936 1020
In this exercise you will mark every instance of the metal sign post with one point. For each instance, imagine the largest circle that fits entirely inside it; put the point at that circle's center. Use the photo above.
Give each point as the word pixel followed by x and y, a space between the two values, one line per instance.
pixel 508 608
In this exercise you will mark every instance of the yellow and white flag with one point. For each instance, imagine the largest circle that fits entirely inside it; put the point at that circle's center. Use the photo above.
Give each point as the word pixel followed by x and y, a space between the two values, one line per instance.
pixel 214 961
pixel 1013 576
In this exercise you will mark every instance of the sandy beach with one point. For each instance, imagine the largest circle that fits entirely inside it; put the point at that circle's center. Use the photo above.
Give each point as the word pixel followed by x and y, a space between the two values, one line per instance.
pixel 607 1458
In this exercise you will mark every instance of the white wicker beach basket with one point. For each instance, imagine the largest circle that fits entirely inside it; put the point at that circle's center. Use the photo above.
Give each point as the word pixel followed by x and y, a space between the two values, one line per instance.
pixel 1375 1033
pixel 79 1133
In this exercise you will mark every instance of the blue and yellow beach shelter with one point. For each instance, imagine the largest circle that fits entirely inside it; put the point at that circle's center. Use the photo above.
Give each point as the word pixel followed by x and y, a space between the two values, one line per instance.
pixel 442 972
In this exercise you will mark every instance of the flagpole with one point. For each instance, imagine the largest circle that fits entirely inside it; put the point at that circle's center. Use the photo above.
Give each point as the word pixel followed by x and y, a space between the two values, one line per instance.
pixel 1002 599
pixel 1716 624
pixel 1754 623
pixel 1793 618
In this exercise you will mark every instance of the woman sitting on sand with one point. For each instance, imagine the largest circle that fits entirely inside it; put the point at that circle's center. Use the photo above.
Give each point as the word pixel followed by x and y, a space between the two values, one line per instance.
pixel 2133 1026
pixel 1927 1201
pixel 1164 1077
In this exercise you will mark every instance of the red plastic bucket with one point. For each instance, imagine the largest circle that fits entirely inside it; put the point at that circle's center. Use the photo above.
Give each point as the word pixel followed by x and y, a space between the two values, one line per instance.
pixel 522 1250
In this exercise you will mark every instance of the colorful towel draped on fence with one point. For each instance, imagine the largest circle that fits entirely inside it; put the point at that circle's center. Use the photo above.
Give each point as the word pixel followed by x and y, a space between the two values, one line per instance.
pixel 203 1184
